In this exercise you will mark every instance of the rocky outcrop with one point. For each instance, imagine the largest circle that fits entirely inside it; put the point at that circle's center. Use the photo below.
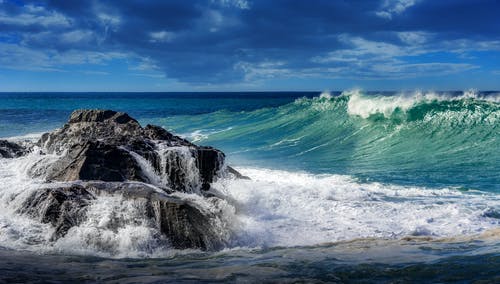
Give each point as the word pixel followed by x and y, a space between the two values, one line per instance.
pixel 183 223
pixel 107 145
pixel 63 207
pixel 11 150
pixel 106 152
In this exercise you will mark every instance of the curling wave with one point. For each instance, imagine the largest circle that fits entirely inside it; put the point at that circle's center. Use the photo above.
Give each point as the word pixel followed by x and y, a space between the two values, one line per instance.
pixel 419 138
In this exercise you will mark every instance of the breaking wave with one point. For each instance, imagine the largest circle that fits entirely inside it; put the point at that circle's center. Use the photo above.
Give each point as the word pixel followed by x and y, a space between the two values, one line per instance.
pixel 417 138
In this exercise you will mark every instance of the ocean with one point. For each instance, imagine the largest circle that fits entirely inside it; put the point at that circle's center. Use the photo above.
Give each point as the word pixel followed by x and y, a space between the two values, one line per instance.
pixel 346 186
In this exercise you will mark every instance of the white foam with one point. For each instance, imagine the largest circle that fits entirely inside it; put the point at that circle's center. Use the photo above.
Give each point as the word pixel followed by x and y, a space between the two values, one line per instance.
pixel 180 158
pixel 275 208
pixel 117 227
pixel 325 95
pixel 29 137
pixel 202 134
pixel 364 105
pixel 279 208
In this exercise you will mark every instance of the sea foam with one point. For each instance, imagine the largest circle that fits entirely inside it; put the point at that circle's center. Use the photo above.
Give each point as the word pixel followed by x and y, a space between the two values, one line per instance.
pixel 281 208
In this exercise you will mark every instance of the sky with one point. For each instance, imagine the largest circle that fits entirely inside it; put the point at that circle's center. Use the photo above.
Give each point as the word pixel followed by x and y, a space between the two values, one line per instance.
pixel 249 45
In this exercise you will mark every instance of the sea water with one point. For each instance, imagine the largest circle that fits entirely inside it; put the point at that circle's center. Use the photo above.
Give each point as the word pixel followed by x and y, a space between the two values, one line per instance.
pixel 345 186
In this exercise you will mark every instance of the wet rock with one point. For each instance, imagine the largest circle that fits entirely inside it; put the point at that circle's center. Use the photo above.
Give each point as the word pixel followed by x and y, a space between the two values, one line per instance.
pixel 100 145
pixel 235 173
pixel 94 160
pixel 106 152
pixel 209 162
pixel 65 205
pixel 11 149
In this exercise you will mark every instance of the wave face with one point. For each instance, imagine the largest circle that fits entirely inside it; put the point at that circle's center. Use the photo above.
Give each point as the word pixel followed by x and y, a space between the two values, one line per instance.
pixel 426 139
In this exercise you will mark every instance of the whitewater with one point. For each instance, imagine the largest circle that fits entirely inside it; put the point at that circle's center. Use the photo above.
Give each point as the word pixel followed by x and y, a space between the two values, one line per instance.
pixel 342 181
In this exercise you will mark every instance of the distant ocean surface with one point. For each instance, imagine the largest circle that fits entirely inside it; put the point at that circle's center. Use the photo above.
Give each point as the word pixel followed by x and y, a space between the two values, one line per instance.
pixel 346 186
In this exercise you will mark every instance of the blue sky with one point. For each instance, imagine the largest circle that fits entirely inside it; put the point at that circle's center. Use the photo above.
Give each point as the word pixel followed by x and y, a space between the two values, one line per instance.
pixel 249 45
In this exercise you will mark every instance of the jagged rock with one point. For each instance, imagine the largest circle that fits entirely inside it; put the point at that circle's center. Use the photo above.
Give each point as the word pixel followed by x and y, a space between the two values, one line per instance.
pixel 209 161
pixel 184 225
pixel 11 150
pixel 235 173
pixel 100 145
pixel 63 207
pixel 106 152
pixel 94 160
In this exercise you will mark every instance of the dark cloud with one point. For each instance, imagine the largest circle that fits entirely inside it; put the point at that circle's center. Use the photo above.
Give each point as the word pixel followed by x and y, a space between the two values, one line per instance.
pixel 233 40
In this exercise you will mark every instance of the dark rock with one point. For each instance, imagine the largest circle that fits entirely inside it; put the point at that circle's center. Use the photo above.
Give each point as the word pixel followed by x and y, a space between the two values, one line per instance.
pixel 95 160
pixel 103 151
pixel 180 221
pixel 154 132
pixel 185 225
pixel 209 162
pixel 99 145
pixel 235 173
pixel 107 126
pixel 63 207
pixel 11 150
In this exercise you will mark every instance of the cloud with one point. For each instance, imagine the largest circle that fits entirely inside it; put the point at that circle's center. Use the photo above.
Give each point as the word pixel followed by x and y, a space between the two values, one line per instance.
pixel 31 15
pixel 413 38
pixel 241 4
pixel 226 42
pixel 161 36
pixel 394 7
pixel 13 56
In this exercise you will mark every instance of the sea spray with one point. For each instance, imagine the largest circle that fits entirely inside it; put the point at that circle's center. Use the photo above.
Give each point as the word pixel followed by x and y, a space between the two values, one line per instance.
pixel 113 226
pixel 280 208
pixel 178 166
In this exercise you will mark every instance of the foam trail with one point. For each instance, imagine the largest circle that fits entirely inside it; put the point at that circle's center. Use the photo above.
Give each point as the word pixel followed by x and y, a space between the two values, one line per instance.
pixel 181 157
pixel 279 208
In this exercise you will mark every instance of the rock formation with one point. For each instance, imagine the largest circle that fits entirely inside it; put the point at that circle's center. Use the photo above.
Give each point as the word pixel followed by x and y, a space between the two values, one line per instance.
pixel 106 152
pixel 11 150
pixel 105 145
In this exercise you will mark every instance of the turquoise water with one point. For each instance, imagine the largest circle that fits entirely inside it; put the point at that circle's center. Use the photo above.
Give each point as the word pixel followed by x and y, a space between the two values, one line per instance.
pixel 431 139
pixel 346 186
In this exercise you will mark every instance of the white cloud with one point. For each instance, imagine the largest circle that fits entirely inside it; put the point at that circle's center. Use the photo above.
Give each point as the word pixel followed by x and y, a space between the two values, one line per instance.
pixel 413 38
pixel 361 49
pixel 35 15
pixel 161 36
pixel 365 59
pixel 145 64
pixel 240 4
pixel 404 70
pixel 263 70
pixel 13 56
pixel 77 36
pixel 92 72
pixel 109 20
pixel 394 7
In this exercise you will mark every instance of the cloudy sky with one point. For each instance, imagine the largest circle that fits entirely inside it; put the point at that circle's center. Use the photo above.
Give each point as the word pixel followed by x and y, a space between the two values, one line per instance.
pixel 234 45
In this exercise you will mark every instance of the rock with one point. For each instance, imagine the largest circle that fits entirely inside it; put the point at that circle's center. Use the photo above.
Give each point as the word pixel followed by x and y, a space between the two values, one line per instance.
pixel 63 207
pixel 185 226
pixel 235 173
pixel 95 160
pixel 105 145
pixel 209 162
pixel 11 150
pixel 106 152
